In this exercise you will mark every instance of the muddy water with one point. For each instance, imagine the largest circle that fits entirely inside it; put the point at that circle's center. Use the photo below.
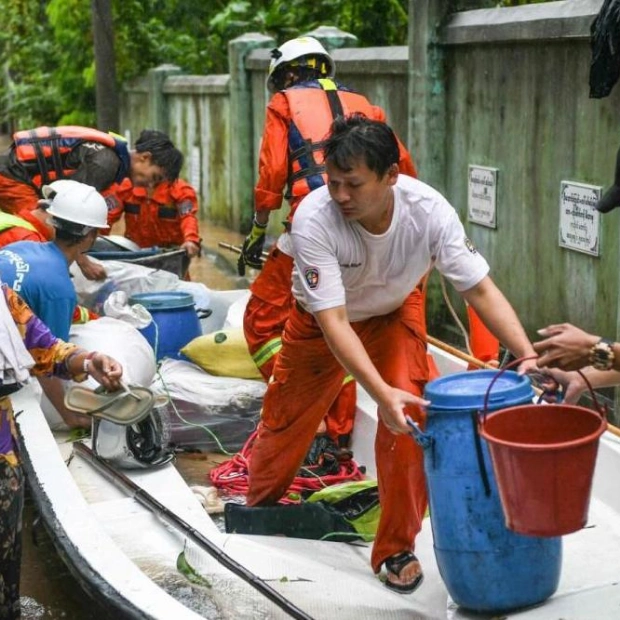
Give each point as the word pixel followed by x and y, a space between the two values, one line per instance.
pixel 49 592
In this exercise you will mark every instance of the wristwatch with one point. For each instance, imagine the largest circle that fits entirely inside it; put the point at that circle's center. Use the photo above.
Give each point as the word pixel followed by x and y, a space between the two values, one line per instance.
pixel 602 355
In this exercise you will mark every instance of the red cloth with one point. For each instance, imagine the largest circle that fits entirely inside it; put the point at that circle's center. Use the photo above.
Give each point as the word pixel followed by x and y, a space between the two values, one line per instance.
pixel 484 345
pixel 307 378
pixel 166 218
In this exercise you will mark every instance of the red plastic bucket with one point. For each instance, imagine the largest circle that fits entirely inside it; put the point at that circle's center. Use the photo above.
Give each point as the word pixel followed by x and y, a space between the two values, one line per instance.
pixel 543 457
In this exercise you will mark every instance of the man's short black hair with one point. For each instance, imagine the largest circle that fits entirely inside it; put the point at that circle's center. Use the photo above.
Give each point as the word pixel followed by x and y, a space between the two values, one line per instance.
pixel 357 138
pixel 162 150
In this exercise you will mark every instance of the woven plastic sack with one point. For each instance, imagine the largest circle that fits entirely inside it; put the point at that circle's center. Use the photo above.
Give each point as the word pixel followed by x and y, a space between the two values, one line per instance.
pixel 223 353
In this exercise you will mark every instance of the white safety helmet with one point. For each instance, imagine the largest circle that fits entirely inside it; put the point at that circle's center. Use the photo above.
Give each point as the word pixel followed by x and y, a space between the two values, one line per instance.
pixel 304 52
pixel 141 445
pixel 77 203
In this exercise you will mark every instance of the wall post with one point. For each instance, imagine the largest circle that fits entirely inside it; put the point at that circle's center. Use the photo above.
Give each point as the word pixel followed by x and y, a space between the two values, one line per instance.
pixel 333 38
pixel 427 92
pixel 158 107
pixel 241 149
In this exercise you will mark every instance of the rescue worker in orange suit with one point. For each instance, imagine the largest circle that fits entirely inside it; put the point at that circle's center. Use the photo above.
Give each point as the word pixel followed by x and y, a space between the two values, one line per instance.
pixel 306 99
pixel 42 155
pixel 164 215
pixel 361 244
pixel 25 225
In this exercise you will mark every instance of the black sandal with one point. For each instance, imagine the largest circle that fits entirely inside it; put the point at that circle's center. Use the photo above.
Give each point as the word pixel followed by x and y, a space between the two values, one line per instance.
pixel 395 565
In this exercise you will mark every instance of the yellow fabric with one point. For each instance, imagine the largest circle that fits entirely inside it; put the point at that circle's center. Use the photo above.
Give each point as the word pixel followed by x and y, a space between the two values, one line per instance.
pixel 223 353
pixel 10 221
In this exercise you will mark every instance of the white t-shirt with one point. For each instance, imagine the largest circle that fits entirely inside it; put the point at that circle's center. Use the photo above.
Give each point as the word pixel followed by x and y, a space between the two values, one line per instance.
pixel 338 262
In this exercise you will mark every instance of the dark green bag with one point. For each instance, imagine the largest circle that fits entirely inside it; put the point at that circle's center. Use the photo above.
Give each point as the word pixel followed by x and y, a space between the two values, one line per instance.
pixel 340 513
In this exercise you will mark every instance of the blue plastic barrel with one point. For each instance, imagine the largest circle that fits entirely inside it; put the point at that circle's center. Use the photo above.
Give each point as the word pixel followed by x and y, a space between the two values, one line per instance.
pixel 485 566
pixel 175 322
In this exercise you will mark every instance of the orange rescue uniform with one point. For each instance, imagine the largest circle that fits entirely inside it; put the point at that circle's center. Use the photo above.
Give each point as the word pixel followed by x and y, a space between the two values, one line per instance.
pixel 306 379
pixel 297 121
pixel 167 217
pixel 22 227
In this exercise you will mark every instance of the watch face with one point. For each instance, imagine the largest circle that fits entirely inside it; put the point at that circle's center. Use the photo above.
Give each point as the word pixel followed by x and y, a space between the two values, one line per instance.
pixel 602 355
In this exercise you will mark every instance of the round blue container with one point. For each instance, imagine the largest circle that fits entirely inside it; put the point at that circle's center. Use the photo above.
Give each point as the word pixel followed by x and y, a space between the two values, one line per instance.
pixel 175 322
pixel 485 566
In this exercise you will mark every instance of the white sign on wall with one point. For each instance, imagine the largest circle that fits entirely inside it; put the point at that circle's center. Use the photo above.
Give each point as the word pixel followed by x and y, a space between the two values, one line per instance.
pixel 580 225
pixel 482 196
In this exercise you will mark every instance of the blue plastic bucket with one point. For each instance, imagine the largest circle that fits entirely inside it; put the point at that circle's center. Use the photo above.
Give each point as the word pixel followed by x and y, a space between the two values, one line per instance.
pixel 175 322
pixel 485 566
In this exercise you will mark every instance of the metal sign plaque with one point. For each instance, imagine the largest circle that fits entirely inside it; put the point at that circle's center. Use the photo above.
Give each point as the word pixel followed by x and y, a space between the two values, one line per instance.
pixel 482 196
pixel 580 224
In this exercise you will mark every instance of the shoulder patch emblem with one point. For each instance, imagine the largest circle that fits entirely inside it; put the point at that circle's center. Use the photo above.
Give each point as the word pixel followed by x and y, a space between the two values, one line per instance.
pixel 311 274
pixel 470 246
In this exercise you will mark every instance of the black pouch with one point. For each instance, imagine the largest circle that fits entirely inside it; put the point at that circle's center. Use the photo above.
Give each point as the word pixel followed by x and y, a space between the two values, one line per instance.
pixel 314 521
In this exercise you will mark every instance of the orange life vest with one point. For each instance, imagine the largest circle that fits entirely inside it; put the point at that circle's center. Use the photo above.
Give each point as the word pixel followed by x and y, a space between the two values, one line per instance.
pixel 43 151
pixel 314 105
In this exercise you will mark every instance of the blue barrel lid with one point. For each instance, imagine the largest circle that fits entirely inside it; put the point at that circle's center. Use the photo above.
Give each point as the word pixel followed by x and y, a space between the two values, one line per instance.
pixel 163 300
pixel 466 391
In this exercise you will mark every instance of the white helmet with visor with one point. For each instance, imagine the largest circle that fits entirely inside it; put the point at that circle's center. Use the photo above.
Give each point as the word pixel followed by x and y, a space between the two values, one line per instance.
pixel 300 52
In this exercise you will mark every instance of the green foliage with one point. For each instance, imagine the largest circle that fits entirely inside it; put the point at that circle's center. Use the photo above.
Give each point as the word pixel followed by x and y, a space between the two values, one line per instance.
pixel 46 47
pixel 28 59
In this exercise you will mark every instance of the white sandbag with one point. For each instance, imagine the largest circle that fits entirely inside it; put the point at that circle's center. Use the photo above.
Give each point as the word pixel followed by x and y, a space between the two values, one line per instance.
pixel 122 276
pixel 119 340
pixel 234 316
pixel 228 407
pixel 220 302
pixel 199 291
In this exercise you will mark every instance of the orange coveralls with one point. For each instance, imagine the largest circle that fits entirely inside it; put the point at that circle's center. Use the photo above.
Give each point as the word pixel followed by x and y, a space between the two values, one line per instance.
pixel 307 378
pixel 167 217
pixel 271 298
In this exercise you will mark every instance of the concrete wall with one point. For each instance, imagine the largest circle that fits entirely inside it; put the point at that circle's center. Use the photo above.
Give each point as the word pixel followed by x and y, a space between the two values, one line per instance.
pixel 506 88
pixel 199 119
pixel 517 99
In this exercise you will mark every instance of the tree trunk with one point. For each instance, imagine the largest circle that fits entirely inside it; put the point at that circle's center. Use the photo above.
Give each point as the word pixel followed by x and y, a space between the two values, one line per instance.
pixel 107 99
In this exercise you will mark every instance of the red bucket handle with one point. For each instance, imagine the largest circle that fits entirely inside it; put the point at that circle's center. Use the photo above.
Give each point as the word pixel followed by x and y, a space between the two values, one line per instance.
pixel 602 411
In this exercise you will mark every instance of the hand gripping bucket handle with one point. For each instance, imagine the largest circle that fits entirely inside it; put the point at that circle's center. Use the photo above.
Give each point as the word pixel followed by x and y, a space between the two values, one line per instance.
pixel 602 411
pixel 543 457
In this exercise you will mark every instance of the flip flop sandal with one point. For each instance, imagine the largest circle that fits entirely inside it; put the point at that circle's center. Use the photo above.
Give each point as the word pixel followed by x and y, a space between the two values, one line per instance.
pixel 395 565
pixel 124 407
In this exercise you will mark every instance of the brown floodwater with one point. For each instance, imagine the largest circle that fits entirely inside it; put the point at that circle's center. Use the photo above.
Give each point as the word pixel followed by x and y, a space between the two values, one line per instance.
pixel 48 590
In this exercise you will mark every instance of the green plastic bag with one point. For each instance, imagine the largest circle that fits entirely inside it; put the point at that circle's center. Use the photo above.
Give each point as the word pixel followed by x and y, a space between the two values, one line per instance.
pixel 357 502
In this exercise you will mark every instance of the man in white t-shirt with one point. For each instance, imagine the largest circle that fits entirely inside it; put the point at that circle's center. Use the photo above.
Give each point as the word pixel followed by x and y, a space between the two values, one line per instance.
pixel 361 244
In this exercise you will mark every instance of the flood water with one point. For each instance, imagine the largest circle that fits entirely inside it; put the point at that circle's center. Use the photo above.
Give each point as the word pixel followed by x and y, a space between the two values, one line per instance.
pixel 49 591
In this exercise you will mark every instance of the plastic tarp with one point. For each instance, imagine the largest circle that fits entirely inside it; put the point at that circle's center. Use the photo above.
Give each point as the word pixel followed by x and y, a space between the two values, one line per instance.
pixel 207 413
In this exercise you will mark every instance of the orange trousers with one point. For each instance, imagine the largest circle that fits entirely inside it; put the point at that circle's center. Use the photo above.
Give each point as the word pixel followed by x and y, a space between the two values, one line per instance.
pixel 266 313
pixel 306 380
pixel 15 195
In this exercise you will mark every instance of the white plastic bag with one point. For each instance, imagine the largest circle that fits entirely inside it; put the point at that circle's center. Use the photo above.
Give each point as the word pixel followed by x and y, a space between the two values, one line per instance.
pixel 117 306
pixel 119 340
pixel 122 276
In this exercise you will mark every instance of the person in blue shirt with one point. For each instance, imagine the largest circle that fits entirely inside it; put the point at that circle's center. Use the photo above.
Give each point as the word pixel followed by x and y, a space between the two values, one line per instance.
pixel 39 272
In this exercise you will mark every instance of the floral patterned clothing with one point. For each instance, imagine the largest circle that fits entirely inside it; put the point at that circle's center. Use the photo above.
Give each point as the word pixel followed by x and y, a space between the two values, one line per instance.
pixel 51 356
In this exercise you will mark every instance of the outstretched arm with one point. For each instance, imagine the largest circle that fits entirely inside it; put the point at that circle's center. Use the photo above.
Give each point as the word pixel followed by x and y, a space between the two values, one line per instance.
pixel 350 352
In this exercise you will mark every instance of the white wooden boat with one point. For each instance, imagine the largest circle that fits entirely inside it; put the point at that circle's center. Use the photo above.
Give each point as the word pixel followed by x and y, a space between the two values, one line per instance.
pixel 125 555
